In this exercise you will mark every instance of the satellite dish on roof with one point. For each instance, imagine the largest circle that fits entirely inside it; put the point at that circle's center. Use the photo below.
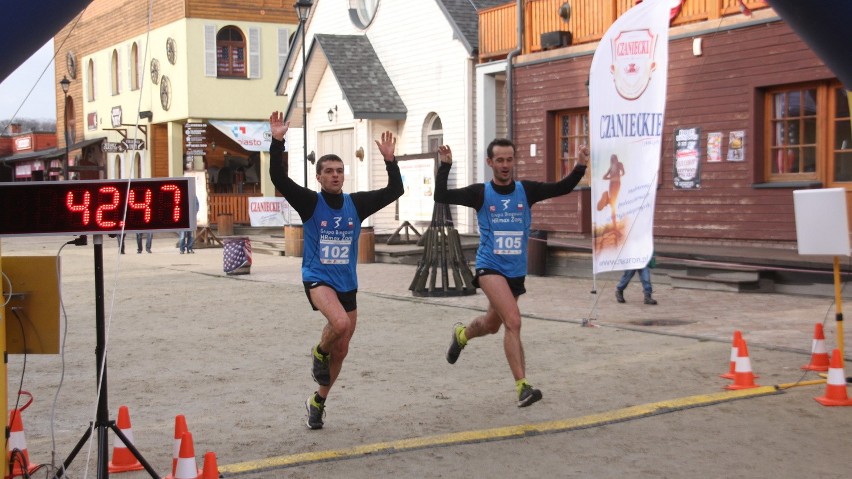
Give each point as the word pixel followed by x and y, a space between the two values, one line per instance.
pixel 565 12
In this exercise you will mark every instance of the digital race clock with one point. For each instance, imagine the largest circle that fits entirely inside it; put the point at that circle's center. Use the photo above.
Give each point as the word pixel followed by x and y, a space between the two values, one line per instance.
pixel 96 206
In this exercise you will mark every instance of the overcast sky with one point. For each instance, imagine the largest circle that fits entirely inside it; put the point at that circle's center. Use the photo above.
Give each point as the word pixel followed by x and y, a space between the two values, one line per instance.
pixel 36 74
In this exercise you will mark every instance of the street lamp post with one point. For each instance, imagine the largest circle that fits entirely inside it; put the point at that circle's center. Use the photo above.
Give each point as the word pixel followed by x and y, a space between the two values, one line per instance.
pixel 303 8
pixel 64 84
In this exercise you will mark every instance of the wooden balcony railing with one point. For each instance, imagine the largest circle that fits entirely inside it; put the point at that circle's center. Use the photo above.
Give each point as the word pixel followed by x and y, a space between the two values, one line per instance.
pixel 589 21
pixel 235 204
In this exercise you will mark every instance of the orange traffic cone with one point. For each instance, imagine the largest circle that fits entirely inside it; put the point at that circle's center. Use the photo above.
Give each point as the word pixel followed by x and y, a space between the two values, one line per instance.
pixel 819 356
pixel 122 459
pixel 180 428
pixel 17 455
pixel 187 468
pixel 743 377
pixel 835 385
pixel 211 469
pixel 738 336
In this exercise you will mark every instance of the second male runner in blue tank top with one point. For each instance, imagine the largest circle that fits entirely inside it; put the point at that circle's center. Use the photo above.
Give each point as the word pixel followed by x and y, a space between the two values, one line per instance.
pixel 332 226
pixel 503 212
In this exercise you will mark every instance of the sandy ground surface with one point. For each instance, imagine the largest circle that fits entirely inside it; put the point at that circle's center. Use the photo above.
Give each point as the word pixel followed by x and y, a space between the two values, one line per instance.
pixel 231 353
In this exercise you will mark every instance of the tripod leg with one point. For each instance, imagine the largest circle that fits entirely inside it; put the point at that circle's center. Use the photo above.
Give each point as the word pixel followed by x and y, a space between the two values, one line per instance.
pixel 70 458
pixel 132 448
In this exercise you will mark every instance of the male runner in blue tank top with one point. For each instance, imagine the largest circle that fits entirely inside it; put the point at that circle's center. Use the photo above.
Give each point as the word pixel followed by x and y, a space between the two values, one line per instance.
pixel 503 212
pixel 332 226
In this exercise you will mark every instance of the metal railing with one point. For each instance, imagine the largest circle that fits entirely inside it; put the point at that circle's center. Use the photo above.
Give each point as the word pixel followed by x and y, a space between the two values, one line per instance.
pixel 588 22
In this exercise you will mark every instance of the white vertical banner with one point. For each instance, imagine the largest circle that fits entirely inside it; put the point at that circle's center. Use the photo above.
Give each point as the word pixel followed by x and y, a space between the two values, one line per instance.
pixel 627 98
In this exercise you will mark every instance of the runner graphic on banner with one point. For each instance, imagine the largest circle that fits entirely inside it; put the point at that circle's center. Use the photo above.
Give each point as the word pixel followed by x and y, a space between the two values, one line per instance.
pixel 627 96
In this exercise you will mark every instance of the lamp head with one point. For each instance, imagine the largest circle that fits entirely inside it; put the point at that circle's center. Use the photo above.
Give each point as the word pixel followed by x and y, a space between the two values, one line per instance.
pixel 64 83
pixel 303 8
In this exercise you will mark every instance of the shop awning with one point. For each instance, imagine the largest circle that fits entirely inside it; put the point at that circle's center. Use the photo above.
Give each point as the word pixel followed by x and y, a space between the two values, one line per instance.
pixel 34 155
pixel 82 144
pixel 251 135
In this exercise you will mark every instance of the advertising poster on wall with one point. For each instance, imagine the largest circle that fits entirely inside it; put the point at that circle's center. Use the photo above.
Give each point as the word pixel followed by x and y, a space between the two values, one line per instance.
pixel 736 146
pixel 271 211
pixel 418 177
pixel 687 160
pixel 714 146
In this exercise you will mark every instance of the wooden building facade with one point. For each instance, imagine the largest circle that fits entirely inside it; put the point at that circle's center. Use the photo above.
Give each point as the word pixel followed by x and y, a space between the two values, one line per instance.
pixel 160 73
pixel 741 78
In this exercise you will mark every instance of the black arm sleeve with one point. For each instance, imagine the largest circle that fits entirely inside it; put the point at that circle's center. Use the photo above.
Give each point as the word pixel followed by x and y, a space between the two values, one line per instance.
pixel 538 191
pixel 368 202
pixel 472 196
pixel 303 200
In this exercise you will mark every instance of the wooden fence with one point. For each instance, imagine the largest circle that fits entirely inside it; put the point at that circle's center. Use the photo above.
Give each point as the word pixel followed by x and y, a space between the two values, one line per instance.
pixel 235 204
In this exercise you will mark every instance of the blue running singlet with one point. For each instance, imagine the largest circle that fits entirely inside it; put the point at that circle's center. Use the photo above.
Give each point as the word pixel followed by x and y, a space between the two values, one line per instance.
pixel 504 227
pixel 331 245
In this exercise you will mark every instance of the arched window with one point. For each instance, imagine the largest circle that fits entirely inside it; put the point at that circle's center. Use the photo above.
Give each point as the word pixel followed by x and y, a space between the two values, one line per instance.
pixel 433 133
pixel 134 67
pixel 70 121
pixel 362 12
pixel 137 165
pixel 230 53
pixel 114 76
pixel 117 166
pixel 90 80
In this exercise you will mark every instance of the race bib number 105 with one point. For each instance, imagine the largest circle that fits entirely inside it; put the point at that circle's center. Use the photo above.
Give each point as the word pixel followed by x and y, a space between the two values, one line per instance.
pixel 508 242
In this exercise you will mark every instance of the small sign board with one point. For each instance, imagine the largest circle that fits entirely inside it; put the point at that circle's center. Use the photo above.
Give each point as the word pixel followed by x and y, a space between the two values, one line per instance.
pixel 112 147
pixel 133 143
pixel 116 116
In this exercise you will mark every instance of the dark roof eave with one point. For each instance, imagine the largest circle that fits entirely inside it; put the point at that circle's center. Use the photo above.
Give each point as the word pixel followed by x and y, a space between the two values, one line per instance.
pixel 377 115
pixel 46 154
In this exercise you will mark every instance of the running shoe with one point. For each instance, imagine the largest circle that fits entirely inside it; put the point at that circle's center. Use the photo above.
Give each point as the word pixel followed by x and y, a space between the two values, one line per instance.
pixel 528 396
pixel 316 412
pixel 455 346
pixel 320 370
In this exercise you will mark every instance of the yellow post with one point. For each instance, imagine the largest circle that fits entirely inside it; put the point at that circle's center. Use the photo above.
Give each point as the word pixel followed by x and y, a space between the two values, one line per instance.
pixel 837 287
pixel 3 372
pixel 838 299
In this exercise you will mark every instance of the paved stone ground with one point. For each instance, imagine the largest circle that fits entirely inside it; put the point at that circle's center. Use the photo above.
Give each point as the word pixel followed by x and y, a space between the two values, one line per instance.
pixel 231 353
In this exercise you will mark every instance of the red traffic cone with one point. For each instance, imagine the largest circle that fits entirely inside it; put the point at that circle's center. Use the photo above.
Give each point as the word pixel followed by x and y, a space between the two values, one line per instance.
pixel 211 469
pixel 743 377
pixel 187 468
pixel 122 459
pixel 835 385
pixel 819 356
pixel 17 454
pixel 738 336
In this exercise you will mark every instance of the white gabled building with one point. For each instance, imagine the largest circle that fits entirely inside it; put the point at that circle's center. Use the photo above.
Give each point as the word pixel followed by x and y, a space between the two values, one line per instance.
pixel 377 65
